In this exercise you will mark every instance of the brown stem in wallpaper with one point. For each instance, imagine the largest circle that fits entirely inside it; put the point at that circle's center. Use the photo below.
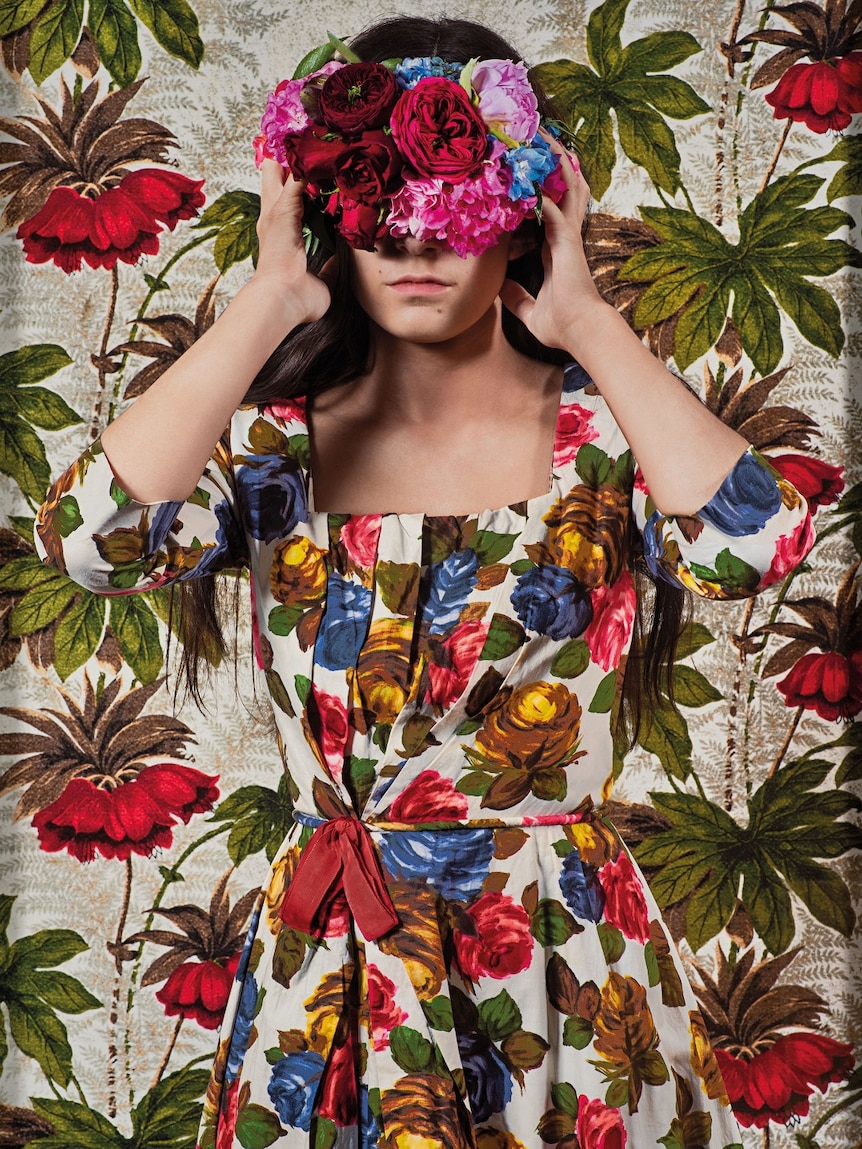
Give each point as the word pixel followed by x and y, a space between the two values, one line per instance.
pixel 113 1018
pixel 733 709
pixel 773 163
pixel 163 1064
pixel 732 33
pixel 720 154
pixel 101 361
pixel 779 757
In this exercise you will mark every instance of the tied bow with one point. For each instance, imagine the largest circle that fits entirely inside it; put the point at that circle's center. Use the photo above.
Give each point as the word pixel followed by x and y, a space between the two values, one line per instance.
pixel 339 858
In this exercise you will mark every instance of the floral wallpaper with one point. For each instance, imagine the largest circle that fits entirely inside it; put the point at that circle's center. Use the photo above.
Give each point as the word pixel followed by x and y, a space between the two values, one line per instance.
pixel 719 144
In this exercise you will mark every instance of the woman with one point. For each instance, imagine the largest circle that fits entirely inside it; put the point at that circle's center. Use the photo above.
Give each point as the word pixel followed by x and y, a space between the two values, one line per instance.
pixel 454 947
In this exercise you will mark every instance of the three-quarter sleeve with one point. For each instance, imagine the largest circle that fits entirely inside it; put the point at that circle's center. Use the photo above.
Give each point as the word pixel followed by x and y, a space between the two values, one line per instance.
pixel 754 530
pixel 91 530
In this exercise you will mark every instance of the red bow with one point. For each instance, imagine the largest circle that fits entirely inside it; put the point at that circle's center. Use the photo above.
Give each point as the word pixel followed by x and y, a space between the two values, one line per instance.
pixel 339 857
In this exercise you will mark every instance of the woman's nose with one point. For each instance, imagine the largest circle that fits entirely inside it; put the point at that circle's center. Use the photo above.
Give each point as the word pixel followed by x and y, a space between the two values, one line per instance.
pixel 412 245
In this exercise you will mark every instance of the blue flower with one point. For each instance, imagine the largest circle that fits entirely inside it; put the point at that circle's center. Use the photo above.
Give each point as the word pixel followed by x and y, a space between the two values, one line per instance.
pixel 530 165
pixel 241 1027
pixel 160 527
pixel 450 584
pixel 654 548
pixel 369 1131
pixel 229 545
pixel 550 600
pixel 344 623
pixel 293 1087
pixel 273 496
pixel 489 1082
pixel 454 862
pixel 412 69
pixel 745 501
pixel 581 888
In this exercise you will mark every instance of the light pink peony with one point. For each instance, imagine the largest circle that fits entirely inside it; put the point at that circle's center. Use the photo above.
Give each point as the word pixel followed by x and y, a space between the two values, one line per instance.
pixel 285 113
pixel 613 617
pixel 507 102
pixel 359 536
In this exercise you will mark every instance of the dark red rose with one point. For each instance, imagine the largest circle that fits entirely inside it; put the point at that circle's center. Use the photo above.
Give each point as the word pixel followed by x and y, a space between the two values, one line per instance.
pixel 775 1085
pixel 438 131
pixel 134 817
pixel 828 683
pixel 357 97
pixel 360 222
pixel 199 990
pixel 823 95
pixel 821 483
pixel 121 223
pixel 367 169
pixel 311 156
pixel 499 943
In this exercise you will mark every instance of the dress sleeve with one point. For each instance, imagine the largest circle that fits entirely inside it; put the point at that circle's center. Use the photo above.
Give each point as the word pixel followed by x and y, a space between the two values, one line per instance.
pixel 92 531
pixel 753 531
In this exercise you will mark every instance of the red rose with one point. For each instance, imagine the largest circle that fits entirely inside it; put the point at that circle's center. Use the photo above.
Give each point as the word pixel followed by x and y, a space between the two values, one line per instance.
pixel 121 223
pixel 360 222
pixel 311 156
pixel 775 1085
pixel 599 1126
pixel 821 483
pixel 500 943
pixel 823 95
pixel 357 97
pixel 331 730
pixel 133 818
pixel 228 1113
pixel 625 904
pixel 429 798
pixel 359 537
pixel 368 168
pixel 828 683
pixel 199 990
pixel 384 1011
pixel 454 661
pixel 438 131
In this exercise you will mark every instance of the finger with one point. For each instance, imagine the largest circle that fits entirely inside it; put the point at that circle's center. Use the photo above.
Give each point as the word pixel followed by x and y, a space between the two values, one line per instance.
pixel 517 299
pixel 272 178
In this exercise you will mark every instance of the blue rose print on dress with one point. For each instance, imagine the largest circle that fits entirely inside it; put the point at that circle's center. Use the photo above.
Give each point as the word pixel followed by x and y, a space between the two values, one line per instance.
pixel 581 888
pixel 455 863
pixel 344 623
pixel 160 527
pixel 369 1131
pixel 272 495
pixel 489 1082
pixel 229 545
pixel 242 1028
pixel 293 1087
pixel 653 547
pixel 450 584
pixel 551 601
pixel 745 501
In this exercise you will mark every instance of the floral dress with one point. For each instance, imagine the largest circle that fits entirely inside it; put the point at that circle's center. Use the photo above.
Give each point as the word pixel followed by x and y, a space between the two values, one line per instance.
pixel 453 947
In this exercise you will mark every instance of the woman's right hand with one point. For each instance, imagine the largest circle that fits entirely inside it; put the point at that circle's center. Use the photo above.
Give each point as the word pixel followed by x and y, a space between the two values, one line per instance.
pixel 282 260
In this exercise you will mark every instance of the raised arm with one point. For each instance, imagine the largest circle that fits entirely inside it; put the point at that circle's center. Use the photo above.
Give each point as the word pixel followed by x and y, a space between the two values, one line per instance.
pixel 159 447
pixel 682 449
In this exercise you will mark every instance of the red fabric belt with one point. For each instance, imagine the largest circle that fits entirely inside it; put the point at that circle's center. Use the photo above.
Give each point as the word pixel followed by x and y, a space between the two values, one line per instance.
pixel 339 858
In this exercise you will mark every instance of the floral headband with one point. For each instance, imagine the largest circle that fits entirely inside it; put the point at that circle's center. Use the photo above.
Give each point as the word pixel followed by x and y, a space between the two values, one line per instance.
pixel 419 146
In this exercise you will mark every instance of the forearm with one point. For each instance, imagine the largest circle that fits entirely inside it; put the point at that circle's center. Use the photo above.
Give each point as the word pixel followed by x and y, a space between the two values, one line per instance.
pixel 683 449
pixel 159 447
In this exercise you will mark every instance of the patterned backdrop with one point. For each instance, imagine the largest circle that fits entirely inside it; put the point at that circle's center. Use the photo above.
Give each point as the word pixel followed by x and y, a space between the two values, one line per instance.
pixel 718 142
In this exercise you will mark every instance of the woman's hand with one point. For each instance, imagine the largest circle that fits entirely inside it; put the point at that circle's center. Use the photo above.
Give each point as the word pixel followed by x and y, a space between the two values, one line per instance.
pixel 555 316
pixel 282 260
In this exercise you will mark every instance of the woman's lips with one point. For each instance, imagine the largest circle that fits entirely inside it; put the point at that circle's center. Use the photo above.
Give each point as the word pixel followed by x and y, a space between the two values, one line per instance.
pixel 423 285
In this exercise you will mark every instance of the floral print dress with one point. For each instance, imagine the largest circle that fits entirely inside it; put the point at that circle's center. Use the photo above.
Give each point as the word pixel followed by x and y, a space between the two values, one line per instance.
pixel 453 947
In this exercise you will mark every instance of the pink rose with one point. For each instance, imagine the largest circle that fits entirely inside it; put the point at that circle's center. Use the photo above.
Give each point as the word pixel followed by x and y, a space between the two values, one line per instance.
pixel 500 943
pixel 574 428
pixel 454 661
pixel 333 730
pixel 288 410
pixel 359 536
pixel 613 617
pixel 599 1126
pixel 429 798
pixel 384 1011
pixel 625 904
pixel 789 552
pixel 507 101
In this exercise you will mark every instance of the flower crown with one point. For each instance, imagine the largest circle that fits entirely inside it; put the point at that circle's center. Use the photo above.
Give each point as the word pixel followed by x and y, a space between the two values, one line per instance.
pixel 418 146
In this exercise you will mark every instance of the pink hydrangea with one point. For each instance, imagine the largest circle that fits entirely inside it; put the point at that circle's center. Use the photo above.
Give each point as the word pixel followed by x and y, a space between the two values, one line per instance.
pixel 469 216
pixel 507 102
pixel 285 113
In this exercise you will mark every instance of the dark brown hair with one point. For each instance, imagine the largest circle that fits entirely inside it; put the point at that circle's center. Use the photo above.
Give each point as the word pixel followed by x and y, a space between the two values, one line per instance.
pixel 338 348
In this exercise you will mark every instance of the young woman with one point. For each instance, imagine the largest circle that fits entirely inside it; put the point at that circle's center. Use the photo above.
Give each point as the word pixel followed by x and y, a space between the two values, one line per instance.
pixel 429 472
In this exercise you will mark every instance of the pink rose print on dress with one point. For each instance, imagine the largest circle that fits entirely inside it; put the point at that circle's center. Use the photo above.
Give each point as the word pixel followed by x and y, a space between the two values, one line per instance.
pixel 613 617
pixel 455 659
pixel 625 904
pixel 332 730
pixel 359 536
pixel 574 428
pixel 789 550
pixel 429 798
pixel 599 1126
pixel 501 944
pixel 384 1010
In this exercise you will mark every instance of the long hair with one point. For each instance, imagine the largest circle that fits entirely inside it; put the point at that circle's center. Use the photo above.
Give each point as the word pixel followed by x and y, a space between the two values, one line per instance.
pixel 338 348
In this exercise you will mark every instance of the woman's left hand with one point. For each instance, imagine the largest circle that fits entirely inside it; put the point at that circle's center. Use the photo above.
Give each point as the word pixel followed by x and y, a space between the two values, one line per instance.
pixel 557 312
